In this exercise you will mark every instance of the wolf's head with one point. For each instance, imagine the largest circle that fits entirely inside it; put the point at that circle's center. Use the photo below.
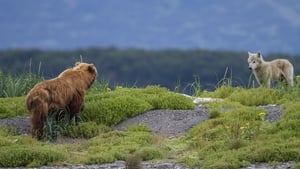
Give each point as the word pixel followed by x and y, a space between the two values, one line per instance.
pixel 254 60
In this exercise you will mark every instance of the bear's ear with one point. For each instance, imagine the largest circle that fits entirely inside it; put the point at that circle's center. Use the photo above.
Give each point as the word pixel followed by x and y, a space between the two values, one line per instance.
pixel 77 63
pixel 91 68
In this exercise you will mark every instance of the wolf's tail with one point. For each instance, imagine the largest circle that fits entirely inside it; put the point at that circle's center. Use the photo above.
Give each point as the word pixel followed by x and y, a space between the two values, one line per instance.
pixel 288 74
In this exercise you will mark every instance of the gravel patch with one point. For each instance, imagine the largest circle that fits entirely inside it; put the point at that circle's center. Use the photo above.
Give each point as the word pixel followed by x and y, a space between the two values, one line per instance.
pixel 22 124
pixel 159 165
pixel 274 112
pixel 169 123
pixel 286 165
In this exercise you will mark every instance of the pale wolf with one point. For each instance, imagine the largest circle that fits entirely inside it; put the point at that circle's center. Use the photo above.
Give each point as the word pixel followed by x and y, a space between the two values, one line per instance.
pixel 268 72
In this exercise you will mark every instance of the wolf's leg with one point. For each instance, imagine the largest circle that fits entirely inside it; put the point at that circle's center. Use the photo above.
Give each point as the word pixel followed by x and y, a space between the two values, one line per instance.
pixel 289 76
pixel 290 81
pixel 269 83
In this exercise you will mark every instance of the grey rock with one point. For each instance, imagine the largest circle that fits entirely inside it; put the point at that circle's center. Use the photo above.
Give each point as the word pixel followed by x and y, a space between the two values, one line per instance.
pixel 168 123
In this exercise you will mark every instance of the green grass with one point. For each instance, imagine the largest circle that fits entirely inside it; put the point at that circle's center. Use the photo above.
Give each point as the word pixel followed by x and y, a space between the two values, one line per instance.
pixel 12 107
pixel 13 86
pixel 23 155
pixel 19 151
pixel 236 135
pixel 112 107
pixel 114 145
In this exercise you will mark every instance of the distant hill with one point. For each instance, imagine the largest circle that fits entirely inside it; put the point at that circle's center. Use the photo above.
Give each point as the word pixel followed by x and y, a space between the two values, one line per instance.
pixel 138 67
pixel 264 25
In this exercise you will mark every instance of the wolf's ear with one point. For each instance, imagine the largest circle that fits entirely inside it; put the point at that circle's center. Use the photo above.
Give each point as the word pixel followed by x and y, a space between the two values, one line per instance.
pixel 258 54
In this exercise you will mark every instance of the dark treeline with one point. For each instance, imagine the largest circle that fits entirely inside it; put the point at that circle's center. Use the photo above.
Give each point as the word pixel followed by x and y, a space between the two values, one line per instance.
pixel 136 67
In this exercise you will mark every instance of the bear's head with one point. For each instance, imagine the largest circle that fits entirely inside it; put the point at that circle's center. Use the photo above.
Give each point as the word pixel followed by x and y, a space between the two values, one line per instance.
pixel 85 67
pixel 89 71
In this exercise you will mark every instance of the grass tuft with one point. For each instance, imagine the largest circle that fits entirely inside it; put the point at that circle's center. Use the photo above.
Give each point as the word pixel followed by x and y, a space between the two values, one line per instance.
pixel 15 86
pixel 19 155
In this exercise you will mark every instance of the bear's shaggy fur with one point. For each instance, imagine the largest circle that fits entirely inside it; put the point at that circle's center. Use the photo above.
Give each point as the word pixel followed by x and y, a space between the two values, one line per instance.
pixel 268 72
pixel 64 92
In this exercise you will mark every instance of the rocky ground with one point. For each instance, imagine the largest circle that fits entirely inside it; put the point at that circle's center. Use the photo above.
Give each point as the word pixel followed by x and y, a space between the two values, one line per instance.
pixel 168 123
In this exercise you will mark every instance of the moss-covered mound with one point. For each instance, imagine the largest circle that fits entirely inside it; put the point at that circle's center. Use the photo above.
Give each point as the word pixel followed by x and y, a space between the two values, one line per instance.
pixel 110 108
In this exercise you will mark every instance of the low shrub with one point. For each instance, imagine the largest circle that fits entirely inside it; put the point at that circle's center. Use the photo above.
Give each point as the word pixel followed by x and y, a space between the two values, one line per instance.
pixel 289 123
pixel 223 91
pixel 214 113
pixel 227 160
pixel 116 145
pixel 171 101
pixel 11 107
pixel 133 161
pixel 4 141
pixel 111 111
pixel 8 130
pixel 112 107
pixel 256 96
pixel 292 111
pixel 100 158
pixel 150 153
pixel 21 155
pixel 86 130
pixel 138 128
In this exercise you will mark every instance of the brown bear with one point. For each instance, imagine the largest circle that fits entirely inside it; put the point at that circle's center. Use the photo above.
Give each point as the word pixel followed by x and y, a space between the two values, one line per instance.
pixel 63 92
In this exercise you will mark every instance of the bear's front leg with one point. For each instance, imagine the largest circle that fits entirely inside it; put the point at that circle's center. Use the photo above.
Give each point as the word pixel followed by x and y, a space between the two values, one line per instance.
pixel 75 107
pixel 37 122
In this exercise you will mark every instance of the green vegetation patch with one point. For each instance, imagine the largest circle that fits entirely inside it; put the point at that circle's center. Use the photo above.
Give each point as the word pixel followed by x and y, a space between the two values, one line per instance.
pixel 256 96
pixel 289 124
pixel 223 91
pixel 7 130
pixel 22 155
pixel 12 106
pixel 110 111
pixel 86 130
pixel 253 96
pixel 239 136
pixel 14 86
pixel 118 145
pixel 110 108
